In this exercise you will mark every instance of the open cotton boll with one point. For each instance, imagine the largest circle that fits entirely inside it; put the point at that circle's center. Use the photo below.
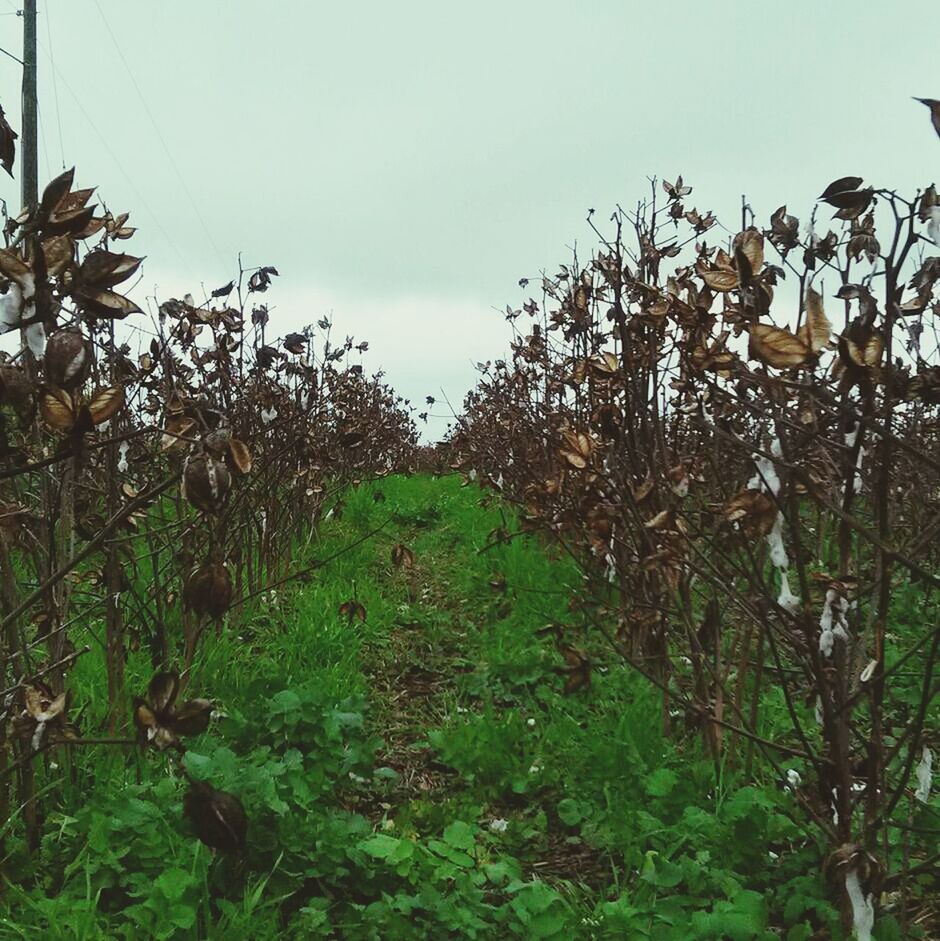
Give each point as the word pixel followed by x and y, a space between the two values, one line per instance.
pixel 933 226
pixel 863 906
pixel 11 308
pixel 35 336
pixel 832 622
pixel 786 599
pixel 122 457
pixel 924 776
pixel 778 552
pixel 767 474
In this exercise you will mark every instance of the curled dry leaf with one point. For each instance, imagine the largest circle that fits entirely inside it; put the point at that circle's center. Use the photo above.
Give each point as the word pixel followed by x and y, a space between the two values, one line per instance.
pixel 103 269
pixel 159 721
pixel 402 556
pixel 752 510
pixel 13 266
pixel 353 610
pixel 177 432
pixel 577 449
pixel 7 144
pixel 107 304
pixel 750 245
pixel 105 404
pixel 777 347
pixel 861 347
pixel 816 329
pixel 239 457
pixel 57 408
pixel 720 279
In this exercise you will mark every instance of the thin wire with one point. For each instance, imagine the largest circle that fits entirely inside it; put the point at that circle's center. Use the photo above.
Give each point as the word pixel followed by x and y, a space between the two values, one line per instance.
pixel 42 134
pixel 133 186
pixel 159 134
pixel 55 82
pixel 10 54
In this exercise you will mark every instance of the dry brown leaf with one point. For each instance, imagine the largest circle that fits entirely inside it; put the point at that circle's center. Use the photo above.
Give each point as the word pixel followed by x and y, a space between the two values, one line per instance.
pixel 106 404
pixel 57 408
pixel 816 329
pixel 777 347
pixel 239 456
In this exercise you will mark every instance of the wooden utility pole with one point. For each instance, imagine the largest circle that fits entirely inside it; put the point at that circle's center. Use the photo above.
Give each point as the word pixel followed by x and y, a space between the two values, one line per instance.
pixel 29 160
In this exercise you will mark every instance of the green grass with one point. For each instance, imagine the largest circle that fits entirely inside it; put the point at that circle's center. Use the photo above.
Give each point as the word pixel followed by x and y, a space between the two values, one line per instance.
pixel 418 775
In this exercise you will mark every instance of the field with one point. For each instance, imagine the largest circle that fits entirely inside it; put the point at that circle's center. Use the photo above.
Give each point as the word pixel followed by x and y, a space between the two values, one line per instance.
pixel 420 772
pixel 645 645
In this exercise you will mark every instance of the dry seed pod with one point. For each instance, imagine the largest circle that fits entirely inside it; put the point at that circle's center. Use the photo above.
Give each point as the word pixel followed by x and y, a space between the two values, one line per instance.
pixel 206 483
pixel 66 360
pixel 402 556
pixel 216 443
pixel 218 817
pixel 209 589
pixel 158 719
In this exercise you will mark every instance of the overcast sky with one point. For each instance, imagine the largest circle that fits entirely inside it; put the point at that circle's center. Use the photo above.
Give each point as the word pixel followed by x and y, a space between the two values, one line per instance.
pixel 405 164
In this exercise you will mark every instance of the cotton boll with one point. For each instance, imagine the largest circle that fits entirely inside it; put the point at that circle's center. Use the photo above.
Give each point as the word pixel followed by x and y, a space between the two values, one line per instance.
pixel 786 599
pixel 767 473
pixel 35 336
pixel 793 779
pixel 778 552
pixel 924 776
pixel 832 622
pixel 933 226
pixel 863 906
pixel 11 308
pixel 868 672
pixel 122 457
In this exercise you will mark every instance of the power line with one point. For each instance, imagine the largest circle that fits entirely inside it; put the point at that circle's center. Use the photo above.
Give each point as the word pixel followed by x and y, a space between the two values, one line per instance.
pixel 55 81
pixel 162 140
pixel 133 186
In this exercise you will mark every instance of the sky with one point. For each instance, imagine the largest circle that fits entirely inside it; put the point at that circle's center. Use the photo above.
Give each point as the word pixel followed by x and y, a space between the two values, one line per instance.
pixel 404 164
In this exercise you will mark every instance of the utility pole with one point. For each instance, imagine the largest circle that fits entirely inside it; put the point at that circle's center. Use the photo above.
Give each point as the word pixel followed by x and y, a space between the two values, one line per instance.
pixel 29 161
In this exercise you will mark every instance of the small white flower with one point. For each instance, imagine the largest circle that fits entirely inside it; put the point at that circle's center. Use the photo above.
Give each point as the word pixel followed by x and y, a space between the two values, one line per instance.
pixel 534 769
pixel 499 825
pixel 530 723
